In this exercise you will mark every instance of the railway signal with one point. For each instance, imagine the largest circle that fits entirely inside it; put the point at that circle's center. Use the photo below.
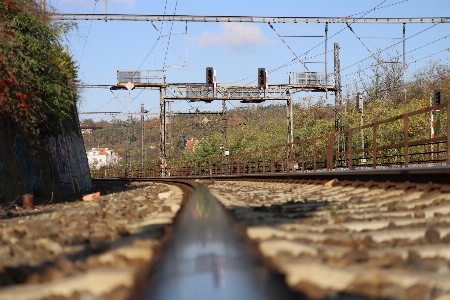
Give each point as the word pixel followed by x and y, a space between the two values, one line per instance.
pixel 261 78
pixel 209 77
pixel 437 97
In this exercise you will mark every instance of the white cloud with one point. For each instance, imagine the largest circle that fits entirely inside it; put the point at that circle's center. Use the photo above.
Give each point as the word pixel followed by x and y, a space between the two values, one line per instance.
pixel 234 35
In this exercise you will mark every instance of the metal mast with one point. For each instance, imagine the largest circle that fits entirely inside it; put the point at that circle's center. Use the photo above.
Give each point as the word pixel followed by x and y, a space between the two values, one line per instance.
pixel 338 115
pixel 142 137
pixel 162 132
pixel 224 129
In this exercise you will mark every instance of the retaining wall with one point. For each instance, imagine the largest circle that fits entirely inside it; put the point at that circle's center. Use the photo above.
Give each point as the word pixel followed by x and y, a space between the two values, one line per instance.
pixel 57 164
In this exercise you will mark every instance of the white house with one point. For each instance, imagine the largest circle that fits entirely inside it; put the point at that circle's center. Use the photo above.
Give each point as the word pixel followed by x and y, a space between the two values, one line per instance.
pixel 98 157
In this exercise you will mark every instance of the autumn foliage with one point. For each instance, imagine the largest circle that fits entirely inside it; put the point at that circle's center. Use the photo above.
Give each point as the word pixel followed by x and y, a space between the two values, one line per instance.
pixel 36 74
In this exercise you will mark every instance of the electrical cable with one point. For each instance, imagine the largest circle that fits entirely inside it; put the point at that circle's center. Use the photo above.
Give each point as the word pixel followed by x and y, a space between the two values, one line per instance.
pixel 294 60
pixel 148 53
pixel 392 4
pixel 341 30
pixel 430 55
pixel 89 30
pixel 391 46
pixel 170 34
pixel 398 56
pixel 369 77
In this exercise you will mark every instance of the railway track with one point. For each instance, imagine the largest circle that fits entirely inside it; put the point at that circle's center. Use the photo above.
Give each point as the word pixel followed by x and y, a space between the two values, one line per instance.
pixel 367 235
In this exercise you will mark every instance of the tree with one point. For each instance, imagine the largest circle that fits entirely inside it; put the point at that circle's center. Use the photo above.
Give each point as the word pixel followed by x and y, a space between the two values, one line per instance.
pixel 37 76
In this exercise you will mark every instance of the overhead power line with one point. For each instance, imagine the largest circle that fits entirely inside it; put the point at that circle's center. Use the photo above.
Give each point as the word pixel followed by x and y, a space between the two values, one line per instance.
pixel 89 30
pixel 395 44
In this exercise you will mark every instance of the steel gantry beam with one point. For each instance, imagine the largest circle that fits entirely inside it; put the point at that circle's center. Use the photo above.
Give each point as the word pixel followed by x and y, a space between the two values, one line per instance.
pixel 249 93
pixel 246 19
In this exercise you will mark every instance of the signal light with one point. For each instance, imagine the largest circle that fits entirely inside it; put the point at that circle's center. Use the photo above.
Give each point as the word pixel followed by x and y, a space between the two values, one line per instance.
pixel 437 97
pixel 209 77
pixel 261 78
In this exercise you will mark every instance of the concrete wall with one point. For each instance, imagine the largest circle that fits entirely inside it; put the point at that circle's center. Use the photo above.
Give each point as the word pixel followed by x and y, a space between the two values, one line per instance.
pixel 57 164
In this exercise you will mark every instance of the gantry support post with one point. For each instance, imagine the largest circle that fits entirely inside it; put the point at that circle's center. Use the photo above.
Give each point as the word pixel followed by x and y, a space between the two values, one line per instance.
pixel 128 172
pixel 404 59
pixel 162 127
pixel 224 128
pixel 290 132
pixel 326 62
pixel 142 138
pixel 225 151
pixel 290 119
pixel 338 116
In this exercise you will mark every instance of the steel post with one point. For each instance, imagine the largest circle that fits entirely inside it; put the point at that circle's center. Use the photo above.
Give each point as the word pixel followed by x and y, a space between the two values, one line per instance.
pixel 315 154
pixel 272 163
pixel 330 152
pixel 224 128
pixel 142 137
pixel 448 131
pixel 338 116
pixel 374 143
pixel 326 63
pixel 162 128
pixel 350 148
pixel 405 139
pixel 404 58
pixel 303 156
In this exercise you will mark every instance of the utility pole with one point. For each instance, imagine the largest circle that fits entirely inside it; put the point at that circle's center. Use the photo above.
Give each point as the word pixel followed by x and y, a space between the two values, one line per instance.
pixel 326 63
pixel 169 121
pixel 360 106
pixel 162 132
pixel 431 128
pixel 290 124
pixel 404 59
pixel 142 137
pixel 338 114
pixel 128 156
pixel 225 150
pixel 42 5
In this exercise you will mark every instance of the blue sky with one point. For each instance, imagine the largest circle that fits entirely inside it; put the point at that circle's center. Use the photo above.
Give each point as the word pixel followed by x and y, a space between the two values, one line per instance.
pixel 237 50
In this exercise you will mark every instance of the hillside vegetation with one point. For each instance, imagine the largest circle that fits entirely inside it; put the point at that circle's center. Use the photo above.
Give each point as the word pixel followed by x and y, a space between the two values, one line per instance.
pixel 37 75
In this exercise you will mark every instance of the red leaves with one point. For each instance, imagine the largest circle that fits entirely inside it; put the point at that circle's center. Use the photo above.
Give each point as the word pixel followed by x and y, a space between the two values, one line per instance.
pixel 11 4
pixel 10 81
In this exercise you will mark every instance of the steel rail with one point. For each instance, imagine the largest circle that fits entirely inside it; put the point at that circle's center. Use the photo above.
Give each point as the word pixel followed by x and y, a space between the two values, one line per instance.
pixel 246 19
pixel 428 177
pixel 207 258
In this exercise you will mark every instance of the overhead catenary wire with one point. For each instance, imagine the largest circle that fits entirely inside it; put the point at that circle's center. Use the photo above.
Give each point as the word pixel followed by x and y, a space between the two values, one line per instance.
pixel 368 11
pixel 294 60
pixel 89 30
pixel 170 34
pixel 398 56
pixel 292 51
pixel 364 14
pixel 368 77
pixel 395 44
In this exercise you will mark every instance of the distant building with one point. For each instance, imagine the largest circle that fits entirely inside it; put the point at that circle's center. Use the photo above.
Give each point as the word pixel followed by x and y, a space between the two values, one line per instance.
pixel 191 143
pixel 98 157
pixel 86 131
